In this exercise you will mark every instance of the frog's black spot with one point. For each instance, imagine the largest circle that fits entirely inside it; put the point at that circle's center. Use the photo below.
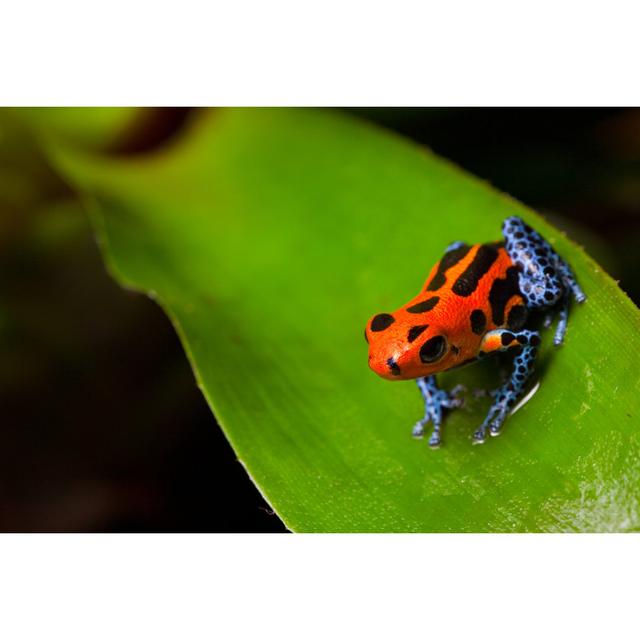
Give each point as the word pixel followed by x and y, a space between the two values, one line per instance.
pixel 414 332
pixel 507 338
pixel 436 283
pixel 450 259
pixel 468 280
pixel 433 349
pixel 382 321
pixel 522 338
pixel 502 290
pixel 517 317
pixel 520 376
pixel 478 321
pixel 534 341
pixel 518 234
pixel 548 295
pixel 455 349
pixel 549 271
pixel 424 306
pixel 521 369
pixel 393 366
pixel 543 262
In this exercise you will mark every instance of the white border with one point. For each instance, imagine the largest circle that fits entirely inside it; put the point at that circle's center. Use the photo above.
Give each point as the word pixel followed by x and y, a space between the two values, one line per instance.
pixel 319 587
pixel 329 52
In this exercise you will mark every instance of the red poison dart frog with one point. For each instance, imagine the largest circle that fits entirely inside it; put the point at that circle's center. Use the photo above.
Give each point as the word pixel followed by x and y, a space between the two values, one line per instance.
pixel 475 302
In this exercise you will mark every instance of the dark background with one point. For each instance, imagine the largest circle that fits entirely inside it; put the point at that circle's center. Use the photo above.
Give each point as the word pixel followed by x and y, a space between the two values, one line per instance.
pixel 102 427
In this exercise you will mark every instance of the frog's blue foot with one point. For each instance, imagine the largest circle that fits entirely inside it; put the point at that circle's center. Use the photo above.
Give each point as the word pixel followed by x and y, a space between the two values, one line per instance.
pixel 544 278
pixel 435 402
pixel 563 316
pixel 524 343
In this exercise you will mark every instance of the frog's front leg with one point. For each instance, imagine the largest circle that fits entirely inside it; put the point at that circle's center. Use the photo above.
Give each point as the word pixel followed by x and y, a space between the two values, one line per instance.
pixel 435 401
pixel 525 343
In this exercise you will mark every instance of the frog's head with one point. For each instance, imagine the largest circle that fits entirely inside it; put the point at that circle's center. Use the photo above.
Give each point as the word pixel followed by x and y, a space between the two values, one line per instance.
pixel 403 346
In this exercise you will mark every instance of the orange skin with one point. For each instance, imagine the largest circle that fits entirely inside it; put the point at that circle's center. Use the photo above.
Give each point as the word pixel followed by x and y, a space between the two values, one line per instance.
pixel 450 318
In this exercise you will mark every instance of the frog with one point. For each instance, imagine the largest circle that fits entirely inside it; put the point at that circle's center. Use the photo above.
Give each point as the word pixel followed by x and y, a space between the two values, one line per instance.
pixel 477 301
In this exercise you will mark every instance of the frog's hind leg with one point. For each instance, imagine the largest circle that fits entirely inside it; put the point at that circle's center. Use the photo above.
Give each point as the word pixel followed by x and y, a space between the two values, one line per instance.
pixel 544 278
pixel 435 401
pixel 524 343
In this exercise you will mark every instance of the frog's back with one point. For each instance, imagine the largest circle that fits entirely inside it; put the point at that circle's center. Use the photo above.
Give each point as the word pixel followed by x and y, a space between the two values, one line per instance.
pixel 477 289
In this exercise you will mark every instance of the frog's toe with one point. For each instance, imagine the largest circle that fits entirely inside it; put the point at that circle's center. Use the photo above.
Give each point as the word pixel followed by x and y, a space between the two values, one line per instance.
pixel 418 430
pixel 434 441
pixel 495 430
pixel 458 390
pixel 456 397
pixel 479 436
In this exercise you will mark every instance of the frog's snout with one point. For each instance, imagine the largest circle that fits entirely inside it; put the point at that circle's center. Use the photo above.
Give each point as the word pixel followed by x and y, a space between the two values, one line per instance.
pixel 385 367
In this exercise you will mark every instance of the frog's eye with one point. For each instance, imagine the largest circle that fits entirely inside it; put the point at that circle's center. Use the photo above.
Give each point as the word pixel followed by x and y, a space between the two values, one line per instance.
pixel 433 349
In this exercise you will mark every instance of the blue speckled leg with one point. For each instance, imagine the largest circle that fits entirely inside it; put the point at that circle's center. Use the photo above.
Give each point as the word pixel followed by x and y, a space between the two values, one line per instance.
pixel 505 396
pixel 544 277
pixel 435 401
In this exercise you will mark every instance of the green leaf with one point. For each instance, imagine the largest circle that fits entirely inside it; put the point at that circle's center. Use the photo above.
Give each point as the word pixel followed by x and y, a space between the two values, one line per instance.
pixel 271 236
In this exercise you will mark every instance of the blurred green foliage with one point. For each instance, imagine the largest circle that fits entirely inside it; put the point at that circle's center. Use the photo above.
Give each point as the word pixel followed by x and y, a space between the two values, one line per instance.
pixel 103 427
